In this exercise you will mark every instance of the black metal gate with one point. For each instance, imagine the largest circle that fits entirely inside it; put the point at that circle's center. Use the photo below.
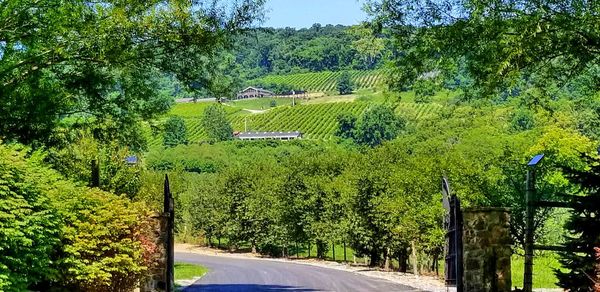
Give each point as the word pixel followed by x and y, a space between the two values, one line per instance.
pixel 454 244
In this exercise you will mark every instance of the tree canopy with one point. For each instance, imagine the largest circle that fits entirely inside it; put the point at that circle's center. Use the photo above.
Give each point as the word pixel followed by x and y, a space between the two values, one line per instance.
pixel 497 43
pixel 218 127
pixel 102 60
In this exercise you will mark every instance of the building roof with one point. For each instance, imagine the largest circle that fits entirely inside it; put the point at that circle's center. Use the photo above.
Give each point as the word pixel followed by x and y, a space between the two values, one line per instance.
pixel 257 89
pixel 269 135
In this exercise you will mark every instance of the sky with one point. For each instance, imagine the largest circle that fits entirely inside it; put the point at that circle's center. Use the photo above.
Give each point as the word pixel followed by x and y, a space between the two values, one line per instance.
pixel 304 13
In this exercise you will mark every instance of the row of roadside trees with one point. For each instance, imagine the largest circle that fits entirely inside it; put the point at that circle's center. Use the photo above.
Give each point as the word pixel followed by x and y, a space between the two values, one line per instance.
pixel 380 197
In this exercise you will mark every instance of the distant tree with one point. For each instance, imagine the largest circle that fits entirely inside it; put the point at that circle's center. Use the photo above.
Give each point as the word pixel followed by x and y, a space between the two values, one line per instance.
pixel 522 120
pixel 216 124
pixel 580 274
pixel 344 83
pixel 424 90
pixel 368 46
pixel 378 124
pixel 175 132
pixel 346 126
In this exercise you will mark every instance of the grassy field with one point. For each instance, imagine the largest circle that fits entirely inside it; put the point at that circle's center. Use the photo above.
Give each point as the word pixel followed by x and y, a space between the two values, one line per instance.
pixel 325 81
pixel 543 270
pixel 261 103
pixel 195 109
pixel 185 271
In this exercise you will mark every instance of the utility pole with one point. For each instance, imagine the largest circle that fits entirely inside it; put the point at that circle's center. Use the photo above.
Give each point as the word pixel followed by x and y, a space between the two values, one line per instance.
pixel 529 213
pixel 246 124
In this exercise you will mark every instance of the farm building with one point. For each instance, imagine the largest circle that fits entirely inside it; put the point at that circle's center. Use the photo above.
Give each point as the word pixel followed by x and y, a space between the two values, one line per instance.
pixel 253 92
pixel 269 135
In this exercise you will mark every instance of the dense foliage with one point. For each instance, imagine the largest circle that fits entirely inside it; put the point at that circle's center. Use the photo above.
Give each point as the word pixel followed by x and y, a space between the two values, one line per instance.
pixel 379 200
pixel 584 235
pixel 540 42
pixel 214 121
pixel 175 132
pixel 55 234
pixel 102 61
pixel 344 84
pixel 315 49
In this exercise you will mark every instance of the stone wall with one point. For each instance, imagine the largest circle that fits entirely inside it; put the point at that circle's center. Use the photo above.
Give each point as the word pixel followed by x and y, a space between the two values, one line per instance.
pixel 486 249
pixel 155 282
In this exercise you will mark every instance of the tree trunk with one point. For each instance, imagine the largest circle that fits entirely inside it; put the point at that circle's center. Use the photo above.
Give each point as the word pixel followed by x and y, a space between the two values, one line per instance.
pixel 414 258
pixel 333 250
pixel 435 264
pixel 375 257
pixel 321 247
pixel 386 256
pixel 403 260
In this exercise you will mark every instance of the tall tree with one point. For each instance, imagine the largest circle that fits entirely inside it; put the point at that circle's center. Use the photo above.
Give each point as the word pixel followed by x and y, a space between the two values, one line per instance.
pixel 216 124
pixel 175 132
pixel 346 126
pixel 102 60
pixel 514 38
pixel 344 83
pixel 378 124
pixel 580 273
pixel 368 45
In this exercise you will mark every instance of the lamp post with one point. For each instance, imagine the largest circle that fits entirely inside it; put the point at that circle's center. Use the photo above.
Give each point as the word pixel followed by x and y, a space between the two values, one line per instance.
pixel 529 213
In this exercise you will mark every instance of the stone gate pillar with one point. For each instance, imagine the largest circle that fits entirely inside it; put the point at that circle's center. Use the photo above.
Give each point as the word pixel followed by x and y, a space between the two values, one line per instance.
pixel 156 278
pixel 486 249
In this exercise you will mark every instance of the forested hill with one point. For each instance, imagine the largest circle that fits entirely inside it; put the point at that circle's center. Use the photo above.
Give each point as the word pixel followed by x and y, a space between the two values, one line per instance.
pixel 268 51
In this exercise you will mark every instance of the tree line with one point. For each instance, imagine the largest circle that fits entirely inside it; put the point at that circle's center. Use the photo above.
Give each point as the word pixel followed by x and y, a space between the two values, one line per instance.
pixel 375 189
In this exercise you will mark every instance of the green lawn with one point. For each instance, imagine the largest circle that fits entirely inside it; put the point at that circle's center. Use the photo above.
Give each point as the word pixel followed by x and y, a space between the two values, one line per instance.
pixel 185 271
pixel 543 270
pixel 195 109
pixel 261 103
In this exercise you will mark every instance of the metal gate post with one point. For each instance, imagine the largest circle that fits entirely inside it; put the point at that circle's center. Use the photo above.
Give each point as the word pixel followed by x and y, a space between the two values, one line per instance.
pixel 454 242
pixel 458 235
pixel 529 213
pixel 169 213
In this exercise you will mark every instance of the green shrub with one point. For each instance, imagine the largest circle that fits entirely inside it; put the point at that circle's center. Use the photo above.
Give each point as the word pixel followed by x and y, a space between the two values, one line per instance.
pixel 103 239
pixel 116 176
pixel 175 132
pixel 55 234
pixel 29 227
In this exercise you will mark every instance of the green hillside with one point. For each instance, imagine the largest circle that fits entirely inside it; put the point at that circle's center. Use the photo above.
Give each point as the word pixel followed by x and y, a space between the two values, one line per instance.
pixel 324 81
pixel 315 121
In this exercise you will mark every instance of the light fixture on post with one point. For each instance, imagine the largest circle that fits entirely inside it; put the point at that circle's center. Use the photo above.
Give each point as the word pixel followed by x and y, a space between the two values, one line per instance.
pixel 529 213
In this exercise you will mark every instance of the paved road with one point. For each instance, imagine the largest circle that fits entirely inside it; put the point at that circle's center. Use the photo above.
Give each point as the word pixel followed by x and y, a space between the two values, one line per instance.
pixel 232 274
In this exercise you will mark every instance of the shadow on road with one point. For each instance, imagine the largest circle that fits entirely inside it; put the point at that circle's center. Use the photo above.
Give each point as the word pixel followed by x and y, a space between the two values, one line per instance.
pixel 244 287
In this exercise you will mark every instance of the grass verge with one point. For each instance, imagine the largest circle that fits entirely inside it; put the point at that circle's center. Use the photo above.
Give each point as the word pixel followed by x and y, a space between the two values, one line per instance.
pixel 543 270
pixel 185 271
